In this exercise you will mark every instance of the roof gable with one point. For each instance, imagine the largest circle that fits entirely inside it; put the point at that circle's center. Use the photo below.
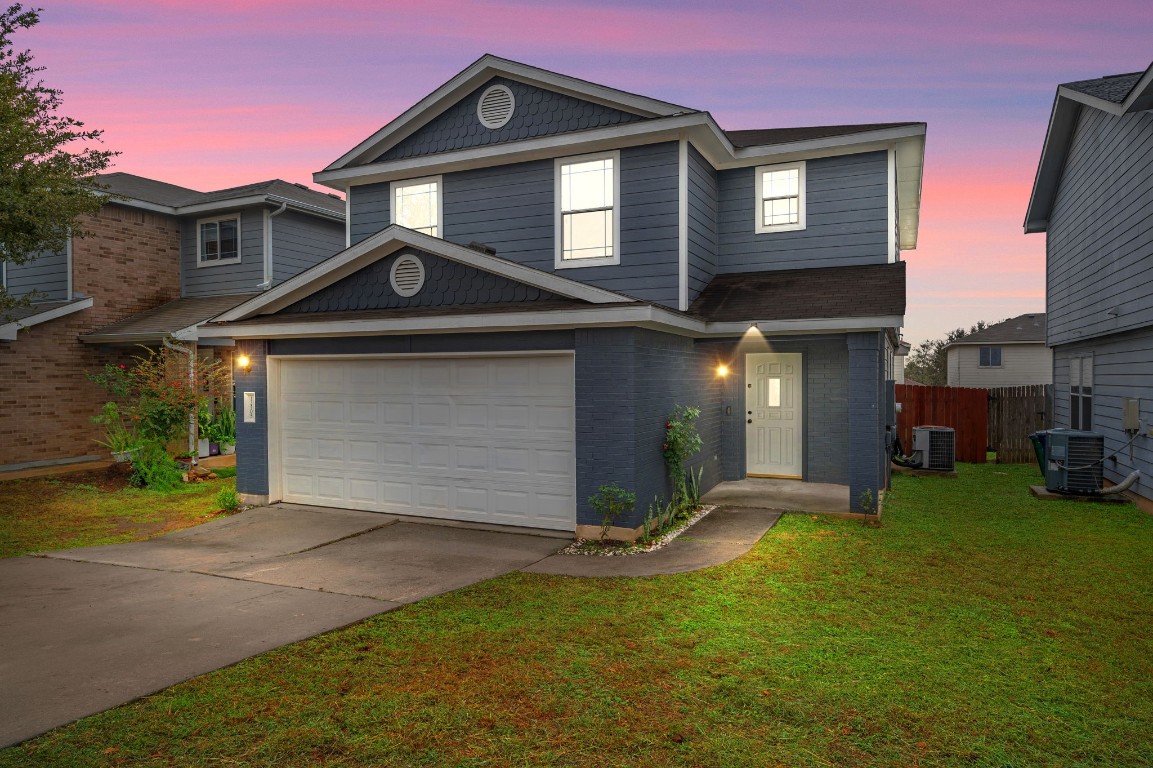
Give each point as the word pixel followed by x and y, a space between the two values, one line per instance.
pixel 395 238
pixel 1023 329
pixel 538 112
pixel 481 71
pixel 446 283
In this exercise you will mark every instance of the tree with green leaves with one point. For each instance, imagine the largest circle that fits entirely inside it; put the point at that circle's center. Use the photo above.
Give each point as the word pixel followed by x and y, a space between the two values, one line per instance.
pixel 49 175
pixel 928 363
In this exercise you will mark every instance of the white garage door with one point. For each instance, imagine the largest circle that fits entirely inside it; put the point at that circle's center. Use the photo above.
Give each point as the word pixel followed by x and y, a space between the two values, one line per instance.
pixel 484 439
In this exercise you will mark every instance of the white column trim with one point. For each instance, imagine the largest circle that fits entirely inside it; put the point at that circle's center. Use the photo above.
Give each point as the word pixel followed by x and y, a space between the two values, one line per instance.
pixel 267 249
pixel 683 225
pixel 892 196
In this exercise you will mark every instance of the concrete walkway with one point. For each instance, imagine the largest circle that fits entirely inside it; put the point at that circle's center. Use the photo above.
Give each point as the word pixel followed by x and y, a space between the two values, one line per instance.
pixel 724 535
pixel 85 630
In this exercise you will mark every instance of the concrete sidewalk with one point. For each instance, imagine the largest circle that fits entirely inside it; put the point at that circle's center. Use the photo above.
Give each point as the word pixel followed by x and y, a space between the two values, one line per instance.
pixel 85 630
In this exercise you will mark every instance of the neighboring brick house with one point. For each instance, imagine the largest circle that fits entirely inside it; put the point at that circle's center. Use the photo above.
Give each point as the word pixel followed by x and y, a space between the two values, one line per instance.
pixel 134 279
pixel 541 267
pixel 1011 353
pixel 1093 199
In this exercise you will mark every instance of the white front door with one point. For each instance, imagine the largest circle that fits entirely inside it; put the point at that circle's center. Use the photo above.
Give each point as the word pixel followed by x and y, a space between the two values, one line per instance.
pixel 773 429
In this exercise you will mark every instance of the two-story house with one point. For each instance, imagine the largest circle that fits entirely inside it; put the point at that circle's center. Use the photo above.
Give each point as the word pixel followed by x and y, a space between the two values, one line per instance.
pixel 540 268
pixel 1011 353
pixel 1093 199
pixel 158 260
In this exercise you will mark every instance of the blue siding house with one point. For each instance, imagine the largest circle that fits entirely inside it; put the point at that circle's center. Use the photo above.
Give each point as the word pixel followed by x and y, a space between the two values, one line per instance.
pixel 1093 197
pixel 539 268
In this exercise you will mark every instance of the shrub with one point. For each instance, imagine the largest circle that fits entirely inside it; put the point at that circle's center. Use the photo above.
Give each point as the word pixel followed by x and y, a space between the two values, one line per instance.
pixel 153 468
pixel 228 499
pixel 681 441
pixel 610 502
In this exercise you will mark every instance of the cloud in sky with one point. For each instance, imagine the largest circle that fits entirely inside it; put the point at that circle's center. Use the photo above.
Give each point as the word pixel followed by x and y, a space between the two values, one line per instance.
pixel 210 94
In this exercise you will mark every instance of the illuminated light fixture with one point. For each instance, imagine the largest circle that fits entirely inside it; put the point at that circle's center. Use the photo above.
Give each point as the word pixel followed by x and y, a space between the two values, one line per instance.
pixel 243 363
pixel 722 371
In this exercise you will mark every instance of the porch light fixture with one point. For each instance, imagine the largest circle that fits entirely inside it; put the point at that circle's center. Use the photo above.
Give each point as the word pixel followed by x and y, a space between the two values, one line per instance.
pixel 243 363
pixel 722 371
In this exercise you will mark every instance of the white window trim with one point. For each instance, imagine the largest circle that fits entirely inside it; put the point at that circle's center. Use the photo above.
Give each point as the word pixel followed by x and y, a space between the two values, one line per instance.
pixel 1000 355
pixel 438 181
pixel 200 262
pixel 758 203
pixel 559 261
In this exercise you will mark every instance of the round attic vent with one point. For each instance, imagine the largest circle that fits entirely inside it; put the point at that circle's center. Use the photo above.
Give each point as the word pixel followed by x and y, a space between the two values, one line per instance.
pixel 495 106
pixel 407 275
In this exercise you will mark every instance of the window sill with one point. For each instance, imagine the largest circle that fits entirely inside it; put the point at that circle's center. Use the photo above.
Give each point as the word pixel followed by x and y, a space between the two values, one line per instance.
pixel 217 263
pixel 611 261
pixel 781 228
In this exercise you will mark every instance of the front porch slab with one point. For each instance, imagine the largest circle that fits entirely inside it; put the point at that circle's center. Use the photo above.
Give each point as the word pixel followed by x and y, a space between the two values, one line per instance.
pixel 780 494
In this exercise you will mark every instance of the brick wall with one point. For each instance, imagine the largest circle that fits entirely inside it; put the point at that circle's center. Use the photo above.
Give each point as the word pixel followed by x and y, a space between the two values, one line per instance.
pixel 128 264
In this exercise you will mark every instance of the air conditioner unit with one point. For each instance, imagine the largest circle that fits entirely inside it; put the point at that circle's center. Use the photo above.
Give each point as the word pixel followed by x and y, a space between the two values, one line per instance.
pixel 935 447
pixel 1073 461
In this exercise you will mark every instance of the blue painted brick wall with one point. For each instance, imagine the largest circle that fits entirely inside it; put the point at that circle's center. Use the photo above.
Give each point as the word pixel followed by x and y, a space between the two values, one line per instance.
pixel 252 439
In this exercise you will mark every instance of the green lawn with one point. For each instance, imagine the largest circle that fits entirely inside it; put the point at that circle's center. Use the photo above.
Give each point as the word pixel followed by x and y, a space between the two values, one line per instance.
pixel 90 508
pixel 975 627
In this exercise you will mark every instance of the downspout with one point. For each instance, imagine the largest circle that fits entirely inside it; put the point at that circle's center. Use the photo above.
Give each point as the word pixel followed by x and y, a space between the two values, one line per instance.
pixel 192 387
pixel 268 217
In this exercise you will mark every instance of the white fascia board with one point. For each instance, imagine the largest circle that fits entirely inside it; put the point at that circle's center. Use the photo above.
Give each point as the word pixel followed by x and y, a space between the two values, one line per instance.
pixel 222 205
pixel 131 202
pixel 801 150
pixel 1062 121
pixel 388 241
pixel 476 74
pixel 297 205
pixel 644 316
pixel 8 331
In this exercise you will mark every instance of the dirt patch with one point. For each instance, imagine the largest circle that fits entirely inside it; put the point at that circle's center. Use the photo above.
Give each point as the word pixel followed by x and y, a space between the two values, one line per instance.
pixel 109 480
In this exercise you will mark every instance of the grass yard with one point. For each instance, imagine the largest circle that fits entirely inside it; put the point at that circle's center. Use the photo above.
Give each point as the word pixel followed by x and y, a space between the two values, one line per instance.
pixel 975 627
pixel 89 508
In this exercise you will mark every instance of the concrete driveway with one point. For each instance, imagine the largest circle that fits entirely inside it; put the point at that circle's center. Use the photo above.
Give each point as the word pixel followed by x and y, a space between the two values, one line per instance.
pixel 85 630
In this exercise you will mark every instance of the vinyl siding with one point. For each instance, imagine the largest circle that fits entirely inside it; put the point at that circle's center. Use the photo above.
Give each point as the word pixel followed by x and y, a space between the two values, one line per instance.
pixel 510 208
pixel 1100 237
pixel 538 112
pixel 300 241
pixel 47 274
pixel 1122 367
pixel 1021 364
pixel 702 210
pixel 242 277
pixel 846 218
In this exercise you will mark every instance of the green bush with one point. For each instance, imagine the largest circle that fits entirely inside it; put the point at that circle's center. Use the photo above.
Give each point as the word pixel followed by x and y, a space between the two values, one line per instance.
pixel 153 468
pixel 228 499
pixel 610 502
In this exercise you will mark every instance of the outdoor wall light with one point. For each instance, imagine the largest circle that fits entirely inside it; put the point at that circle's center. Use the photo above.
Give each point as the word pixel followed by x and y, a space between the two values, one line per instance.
pixel 243 363
pixel 722 371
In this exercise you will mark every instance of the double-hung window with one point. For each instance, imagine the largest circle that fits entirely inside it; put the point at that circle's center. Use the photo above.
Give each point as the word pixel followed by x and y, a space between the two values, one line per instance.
pixel 780 203
pixel 990 357
pixel 587 221
pixel 416 204
pixel 1081 392
pixel 218 241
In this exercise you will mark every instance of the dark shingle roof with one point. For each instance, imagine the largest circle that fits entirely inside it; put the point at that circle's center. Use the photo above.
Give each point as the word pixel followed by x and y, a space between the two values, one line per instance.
pixel 434 311
pixel 757 138
pixel 152 191
pixel 1112 88
pixel 800 294
pixel 1024 328
pixel 148 190
pixel 276 187
pixel 166 319
pixel 16 314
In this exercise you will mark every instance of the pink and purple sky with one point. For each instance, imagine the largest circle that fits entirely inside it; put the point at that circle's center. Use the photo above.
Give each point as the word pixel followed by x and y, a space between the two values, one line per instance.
pixel 210 94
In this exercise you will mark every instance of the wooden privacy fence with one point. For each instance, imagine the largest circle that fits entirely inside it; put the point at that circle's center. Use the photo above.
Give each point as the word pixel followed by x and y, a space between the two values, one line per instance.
pixel 1015 413
pixel 964 409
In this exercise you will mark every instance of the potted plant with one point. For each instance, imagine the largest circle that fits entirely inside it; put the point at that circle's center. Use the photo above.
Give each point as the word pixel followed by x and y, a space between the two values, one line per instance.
pixel 122 441
pixel 226 429
pixel 184 460
pixel 204 431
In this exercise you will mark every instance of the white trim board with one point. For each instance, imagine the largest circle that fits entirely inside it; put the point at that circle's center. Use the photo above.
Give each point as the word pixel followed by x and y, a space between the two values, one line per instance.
pixel 9 330
pixel 390 240
pixel 683 225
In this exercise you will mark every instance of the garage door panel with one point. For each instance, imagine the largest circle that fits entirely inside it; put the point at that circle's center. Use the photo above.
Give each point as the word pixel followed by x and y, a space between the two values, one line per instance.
pixel 479 439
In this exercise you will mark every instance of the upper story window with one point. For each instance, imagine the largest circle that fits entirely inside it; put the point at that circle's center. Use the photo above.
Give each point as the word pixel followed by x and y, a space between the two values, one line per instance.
pixel 587 224
pixel 218 241
pixel 990 357
pixel 780 203
pixel 416 204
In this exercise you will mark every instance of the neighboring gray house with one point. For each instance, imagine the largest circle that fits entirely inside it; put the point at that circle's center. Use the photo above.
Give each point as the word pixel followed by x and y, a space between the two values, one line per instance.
pixel 1093 197
pixel 158 260
pixel 539 268
pixel 1011 353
